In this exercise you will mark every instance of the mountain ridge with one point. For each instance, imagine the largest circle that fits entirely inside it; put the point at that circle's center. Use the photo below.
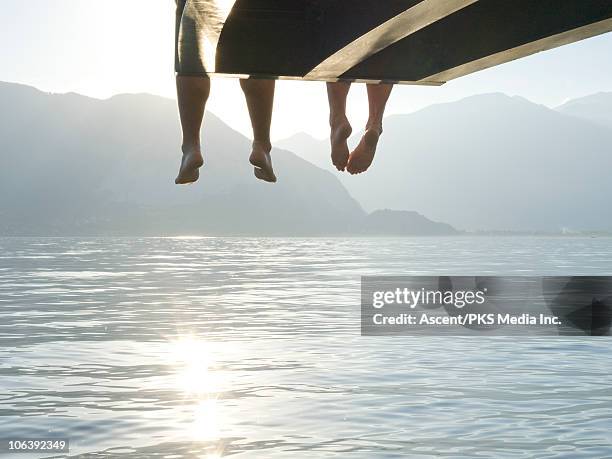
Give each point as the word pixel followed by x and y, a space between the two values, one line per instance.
pixel 596 108
pixel 106 167
pixel 487 162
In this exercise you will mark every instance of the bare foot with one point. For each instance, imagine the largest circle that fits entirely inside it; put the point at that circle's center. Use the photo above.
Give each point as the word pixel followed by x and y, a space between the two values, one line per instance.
pixel 190 165
pixel 339 148
pixel 261 159
pixel 361 158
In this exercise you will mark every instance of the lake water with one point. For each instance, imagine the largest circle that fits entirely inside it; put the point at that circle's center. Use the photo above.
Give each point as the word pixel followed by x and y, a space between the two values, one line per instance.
pixel 215 347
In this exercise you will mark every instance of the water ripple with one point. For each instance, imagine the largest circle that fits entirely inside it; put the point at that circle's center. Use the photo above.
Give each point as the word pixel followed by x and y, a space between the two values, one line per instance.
pixel 211 347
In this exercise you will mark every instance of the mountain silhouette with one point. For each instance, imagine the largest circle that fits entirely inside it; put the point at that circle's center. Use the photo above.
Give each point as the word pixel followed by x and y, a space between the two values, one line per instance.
pixel 72 165
pixel 488 162
pixel 596 108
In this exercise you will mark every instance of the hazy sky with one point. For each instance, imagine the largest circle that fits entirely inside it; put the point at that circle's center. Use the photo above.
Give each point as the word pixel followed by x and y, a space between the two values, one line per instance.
pixel 103 47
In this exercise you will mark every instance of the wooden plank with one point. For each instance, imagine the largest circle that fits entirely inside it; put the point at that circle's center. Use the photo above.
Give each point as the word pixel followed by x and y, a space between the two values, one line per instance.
pixel 424 42
pixel 484 29
pixel 519 52
pixel 412 20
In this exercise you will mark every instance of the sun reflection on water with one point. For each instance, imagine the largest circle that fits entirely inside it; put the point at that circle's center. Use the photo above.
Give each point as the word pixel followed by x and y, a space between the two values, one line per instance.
pixel 196 377
pixel 194 359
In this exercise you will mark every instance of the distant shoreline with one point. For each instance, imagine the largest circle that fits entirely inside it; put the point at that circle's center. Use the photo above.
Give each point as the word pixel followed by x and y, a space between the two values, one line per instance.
pixel 317 236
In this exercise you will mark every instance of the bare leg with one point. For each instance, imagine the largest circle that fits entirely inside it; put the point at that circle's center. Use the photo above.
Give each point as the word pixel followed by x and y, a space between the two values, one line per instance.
pixel 192 92
pixel 259 96
pixel 361 158
pixel 340 127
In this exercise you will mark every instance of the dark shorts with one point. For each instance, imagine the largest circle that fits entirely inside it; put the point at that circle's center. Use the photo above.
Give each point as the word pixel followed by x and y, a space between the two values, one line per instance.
pixel 188 58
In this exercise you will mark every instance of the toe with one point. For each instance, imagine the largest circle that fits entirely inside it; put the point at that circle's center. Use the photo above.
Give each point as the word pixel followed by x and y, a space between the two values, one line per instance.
pixel 264 175
pixel 340 165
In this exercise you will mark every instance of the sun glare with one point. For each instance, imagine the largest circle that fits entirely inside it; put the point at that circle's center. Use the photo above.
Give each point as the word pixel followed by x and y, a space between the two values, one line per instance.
pixel 205 421
pixel 194 360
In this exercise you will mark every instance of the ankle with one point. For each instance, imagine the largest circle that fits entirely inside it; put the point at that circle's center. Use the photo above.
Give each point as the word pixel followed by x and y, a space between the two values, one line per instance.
pixel 265 145
pixel 374 126
pixel 188 148
pixel 338 120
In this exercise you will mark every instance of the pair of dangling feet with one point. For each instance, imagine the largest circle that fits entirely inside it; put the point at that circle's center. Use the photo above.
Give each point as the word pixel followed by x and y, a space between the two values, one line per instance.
pixel 355 162
pixel 360 159
pixel 192 161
